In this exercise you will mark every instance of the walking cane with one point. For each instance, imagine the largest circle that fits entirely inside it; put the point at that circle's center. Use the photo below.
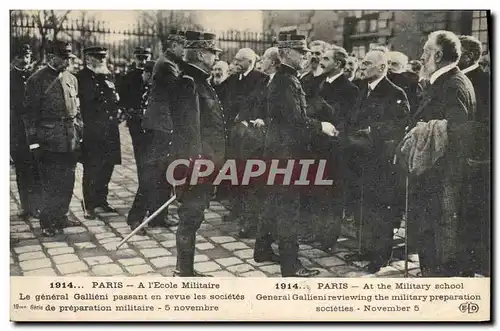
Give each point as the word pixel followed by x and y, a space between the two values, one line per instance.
pixel 406 226
pixel 361 210
pixel 149 219
pixel 78 173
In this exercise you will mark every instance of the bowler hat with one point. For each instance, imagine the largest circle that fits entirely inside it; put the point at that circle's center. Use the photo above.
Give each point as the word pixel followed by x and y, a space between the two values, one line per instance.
pixel 60 48
pixel 195 39
pixel 293 41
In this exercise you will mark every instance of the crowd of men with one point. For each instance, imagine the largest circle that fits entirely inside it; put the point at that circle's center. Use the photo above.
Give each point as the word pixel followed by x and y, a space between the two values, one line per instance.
pixel 402 139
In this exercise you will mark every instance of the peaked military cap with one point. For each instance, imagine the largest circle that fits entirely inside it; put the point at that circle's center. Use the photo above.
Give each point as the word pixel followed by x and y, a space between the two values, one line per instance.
pixel 60 48
pixel 24 49
pixel 201 40
pixel 293 42
pixel 142 50
pixel 148 67
pixel 96 50
pixel 176 35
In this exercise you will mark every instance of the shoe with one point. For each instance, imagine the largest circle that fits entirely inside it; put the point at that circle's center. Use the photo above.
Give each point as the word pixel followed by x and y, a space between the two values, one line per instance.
pixel 244 234
pixel 36 214
pixel 24 214
pixel 270 258
pixel 65 222
pixel 48 232
pixel 372 268
pixel 135 225
pixel 90 215
pixel 356 257
pixel 194 274
pixel 107 208
pixel 305 273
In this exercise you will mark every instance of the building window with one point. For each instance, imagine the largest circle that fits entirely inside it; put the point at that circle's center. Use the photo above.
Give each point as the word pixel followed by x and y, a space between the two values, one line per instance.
pixel 480 27
pixel 361 26
pixel 373 25
pixel 382 24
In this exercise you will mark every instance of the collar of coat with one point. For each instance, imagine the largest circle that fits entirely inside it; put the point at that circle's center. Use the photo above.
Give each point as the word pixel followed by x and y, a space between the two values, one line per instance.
pixel 173 58
pixel 195 72
pixel 287 69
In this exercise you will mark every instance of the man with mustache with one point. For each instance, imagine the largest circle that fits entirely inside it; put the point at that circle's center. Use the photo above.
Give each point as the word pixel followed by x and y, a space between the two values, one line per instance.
pixel 244 91
pixel 27 176
pixel 436 193
pixel 53 127
pixel 312 77
pixel 101 147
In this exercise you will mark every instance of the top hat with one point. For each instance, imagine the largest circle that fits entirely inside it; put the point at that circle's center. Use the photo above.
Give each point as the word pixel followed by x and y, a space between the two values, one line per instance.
pixel 176 35
pixel 142 51
pixel 60 48
pixel 201 40
pixel 96 50
pixel 297 42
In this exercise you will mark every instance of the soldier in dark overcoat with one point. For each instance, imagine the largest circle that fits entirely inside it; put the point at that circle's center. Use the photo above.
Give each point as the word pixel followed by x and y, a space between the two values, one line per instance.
pixel 101 117
pixel 288 130
pixel 380 116
pixel 158 126
pixel 27 177
pixel 199 133
pixel 53 127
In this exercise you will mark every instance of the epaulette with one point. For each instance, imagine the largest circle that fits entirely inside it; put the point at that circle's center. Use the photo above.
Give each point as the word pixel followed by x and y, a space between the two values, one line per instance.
pixel 188 77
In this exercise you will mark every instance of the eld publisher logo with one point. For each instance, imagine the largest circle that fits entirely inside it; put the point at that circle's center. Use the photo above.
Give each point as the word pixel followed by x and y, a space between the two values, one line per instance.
pixel 469 307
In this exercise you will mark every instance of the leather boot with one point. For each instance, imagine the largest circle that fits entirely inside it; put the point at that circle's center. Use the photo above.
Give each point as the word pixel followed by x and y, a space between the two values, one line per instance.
pixel 185 255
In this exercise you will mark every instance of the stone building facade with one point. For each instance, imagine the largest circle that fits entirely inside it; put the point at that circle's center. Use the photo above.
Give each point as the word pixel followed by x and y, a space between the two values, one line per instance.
pixel 358 31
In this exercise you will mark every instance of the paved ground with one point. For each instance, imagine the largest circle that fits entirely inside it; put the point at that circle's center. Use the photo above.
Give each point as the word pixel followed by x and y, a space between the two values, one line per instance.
pixel 89 250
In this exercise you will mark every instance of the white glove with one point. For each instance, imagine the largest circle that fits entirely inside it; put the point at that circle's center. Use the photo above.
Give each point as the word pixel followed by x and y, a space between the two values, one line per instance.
pixel 329 129
pixel 258 122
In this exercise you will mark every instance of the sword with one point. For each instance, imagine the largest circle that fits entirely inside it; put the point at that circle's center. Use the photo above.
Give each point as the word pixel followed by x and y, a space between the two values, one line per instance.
pixel 147 220
pixel 406 227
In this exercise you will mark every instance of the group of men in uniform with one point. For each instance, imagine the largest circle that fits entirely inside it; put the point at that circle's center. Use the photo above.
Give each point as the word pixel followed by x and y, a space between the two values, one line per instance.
pixel 304 103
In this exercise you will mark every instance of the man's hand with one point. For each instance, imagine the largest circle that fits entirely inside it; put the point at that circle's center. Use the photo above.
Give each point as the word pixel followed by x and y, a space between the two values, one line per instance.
pixel 329 129
pixel 258 122
pixel 36 150
pixel 245 123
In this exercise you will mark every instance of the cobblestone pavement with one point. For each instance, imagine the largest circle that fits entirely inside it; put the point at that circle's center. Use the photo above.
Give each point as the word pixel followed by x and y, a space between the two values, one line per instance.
pixel 90 250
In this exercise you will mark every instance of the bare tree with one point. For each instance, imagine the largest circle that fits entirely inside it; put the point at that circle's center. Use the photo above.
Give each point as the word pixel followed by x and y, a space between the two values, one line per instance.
pixel 47 22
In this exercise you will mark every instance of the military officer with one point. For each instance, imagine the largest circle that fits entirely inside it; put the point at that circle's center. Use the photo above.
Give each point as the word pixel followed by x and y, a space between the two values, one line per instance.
pixel 140 204
pixel 27 177
pixel 200 133
pixel 101 148
pixel 157 122
pixel 54 134
pixel 288 131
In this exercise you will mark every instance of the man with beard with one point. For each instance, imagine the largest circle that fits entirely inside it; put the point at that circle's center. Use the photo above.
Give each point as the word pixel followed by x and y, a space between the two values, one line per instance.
pixel 157 122
pixel 436 192
pixel 27 176
pixel 199 120
pixel 244 90
pixel 341 95
pixel 408 81
pixel 53 128
pixel 101 147
pixel 476 199
pixel 311 79
pixel 377 124
pixel 288 131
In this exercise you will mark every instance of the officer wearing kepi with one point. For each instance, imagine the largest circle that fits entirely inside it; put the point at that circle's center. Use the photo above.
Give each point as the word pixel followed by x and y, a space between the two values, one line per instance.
pixel 199 133
pixel 101 148
pixel 53 127
pixel 289 130
pixel 27 177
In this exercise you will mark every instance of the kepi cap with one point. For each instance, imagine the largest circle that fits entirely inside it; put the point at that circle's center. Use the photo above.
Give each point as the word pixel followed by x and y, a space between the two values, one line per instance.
pixel 96 50
pixel 60 48
pixel 201 40
pixel 176 35
pixel 142 51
